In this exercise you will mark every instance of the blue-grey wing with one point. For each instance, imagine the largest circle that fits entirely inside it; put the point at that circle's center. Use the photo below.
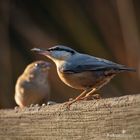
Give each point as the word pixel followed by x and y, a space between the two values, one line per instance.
pixel 88 63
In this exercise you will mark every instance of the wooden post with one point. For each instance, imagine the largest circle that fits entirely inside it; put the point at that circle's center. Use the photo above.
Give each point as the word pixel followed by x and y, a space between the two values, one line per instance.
pixel 107 119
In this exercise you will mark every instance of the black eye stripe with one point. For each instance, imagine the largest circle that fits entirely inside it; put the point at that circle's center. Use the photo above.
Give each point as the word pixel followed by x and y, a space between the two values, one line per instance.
pixel 61 49
pixel 51 49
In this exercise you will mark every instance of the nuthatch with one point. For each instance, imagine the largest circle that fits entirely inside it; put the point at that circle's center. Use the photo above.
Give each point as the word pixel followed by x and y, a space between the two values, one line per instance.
pixel 82 71
pixel 32 86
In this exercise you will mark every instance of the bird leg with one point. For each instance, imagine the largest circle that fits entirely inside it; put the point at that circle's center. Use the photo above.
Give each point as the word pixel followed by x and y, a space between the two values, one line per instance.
pixel 89 95
pixel 76 99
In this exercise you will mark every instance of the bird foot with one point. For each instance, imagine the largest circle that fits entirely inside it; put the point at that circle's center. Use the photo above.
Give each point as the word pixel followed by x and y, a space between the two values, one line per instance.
pixel 96 96
pixel 70 99
pixel 91 97
pixel 70 102
pixel 87 98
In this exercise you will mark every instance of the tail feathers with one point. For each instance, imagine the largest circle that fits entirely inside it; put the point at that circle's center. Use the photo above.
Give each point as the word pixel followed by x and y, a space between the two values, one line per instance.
pixel 127 69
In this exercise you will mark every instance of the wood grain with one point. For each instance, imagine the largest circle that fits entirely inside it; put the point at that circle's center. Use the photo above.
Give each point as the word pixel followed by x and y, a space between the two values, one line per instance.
pixel 106 119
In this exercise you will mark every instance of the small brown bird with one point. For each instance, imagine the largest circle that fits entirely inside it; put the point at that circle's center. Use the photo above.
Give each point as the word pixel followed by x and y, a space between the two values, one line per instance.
pixel 82 71
pixel 32 86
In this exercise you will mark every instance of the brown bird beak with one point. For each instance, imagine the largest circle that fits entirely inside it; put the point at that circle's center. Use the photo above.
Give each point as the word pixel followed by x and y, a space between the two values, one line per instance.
pixel 42 52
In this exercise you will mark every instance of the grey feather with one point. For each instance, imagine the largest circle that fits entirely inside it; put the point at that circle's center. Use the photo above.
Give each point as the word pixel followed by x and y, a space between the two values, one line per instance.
pixel 83 62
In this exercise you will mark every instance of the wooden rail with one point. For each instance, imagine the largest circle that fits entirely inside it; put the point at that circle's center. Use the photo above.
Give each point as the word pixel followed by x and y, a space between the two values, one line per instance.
pixel 107 119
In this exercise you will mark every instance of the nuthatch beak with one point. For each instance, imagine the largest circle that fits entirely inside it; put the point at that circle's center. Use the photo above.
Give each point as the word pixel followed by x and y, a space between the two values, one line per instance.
pixel 39 51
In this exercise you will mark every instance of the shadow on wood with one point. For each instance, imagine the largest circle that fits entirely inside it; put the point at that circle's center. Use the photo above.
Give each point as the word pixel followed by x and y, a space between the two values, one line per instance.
pixel 113 118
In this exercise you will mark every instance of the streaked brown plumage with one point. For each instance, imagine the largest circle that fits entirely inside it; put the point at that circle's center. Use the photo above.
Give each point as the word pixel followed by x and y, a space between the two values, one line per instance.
pixel 32 86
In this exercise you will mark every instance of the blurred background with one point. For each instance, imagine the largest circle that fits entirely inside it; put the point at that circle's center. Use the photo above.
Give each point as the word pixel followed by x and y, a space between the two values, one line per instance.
pixel 107 29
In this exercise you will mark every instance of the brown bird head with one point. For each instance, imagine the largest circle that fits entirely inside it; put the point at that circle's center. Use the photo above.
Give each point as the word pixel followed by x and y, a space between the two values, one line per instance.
pixel 37 68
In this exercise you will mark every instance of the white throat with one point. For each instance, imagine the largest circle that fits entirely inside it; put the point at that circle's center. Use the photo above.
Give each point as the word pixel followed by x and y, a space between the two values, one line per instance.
pixel 58 62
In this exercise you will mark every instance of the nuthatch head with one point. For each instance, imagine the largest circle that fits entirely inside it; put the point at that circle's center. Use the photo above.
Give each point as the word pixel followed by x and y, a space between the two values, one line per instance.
pixel 57 53
pixel 82 71
pixel 32 86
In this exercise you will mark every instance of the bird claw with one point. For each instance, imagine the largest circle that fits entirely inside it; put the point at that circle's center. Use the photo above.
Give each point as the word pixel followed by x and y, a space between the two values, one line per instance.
pixel 96 96
pixel 67 104
pixel 91 97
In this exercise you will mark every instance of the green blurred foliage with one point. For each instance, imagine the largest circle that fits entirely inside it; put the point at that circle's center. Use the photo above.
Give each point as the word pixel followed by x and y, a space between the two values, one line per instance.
pixel 108 29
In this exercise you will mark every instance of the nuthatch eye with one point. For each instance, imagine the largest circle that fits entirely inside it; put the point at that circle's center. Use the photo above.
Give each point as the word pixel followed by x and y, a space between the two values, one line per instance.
pixel 32 86
pixel 82 71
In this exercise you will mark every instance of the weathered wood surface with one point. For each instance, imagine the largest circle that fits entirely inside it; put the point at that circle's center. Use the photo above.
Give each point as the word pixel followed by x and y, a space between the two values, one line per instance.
pixel 106 119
